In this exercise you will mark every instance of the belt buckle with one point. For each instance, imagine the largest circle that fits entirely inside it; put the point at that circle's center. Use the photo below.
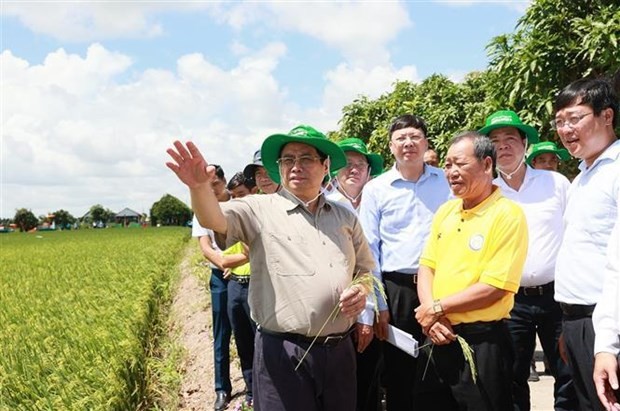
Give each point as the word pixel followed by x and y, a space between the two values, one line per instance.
pixel 535 290
pixel 415 278
pixel 335 338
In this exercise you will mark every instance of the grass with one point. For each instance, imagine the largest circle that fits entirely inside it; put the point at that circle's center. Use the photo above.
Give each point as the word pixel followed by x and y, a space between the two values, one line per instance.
pixel 81 317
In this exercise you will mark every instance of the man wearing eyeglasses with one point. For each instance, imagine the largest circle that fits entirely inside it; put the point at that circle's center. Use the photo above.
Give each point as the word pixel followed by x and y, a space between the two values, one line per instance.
pixel 350 182
pixel 396 213
pixel 586 113
pixel 256 172
pixel 542 196
pixel 305 252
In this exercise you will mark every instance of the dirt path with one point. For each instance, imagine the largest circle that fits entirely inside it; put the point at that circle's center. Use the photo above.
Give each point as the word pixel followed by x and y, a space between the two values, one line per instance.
pixel 191 321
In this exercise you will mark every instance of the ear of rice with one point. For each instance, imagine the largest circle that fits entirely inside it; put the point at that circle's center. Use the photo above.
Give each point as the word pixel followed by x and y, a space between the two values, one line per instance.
pixel 469 357
pixel 368 283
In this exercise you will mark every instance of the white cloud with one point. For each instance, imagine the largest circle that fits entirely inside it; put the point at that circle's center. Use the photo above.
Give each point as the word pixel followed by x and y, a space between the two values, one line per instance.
pixel 74 135
pixel 96 21
pixel 345 83
pixel 360 31
pixel 517 5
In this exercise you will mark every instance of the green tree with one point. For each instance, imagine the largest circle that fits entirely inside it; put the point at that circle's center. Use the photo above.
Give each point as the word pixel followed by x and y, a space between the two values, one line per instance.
pixel 25 219
pixel 447 107
pixel 98 213
pixel 555 42
pixel 63 219
pixel 169 210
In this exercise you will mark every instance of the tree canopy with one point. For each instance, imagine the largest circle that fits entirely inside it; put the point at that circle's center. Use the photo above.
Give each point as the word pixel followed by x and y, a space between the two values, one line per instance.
pixel 169 210
pixel 554 43
pixel 25 219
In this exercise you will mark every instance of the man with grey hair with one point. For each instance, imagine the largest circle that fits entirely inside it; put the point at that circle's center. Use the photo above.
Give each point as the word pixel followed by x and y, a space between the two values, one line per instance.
pixel 469 272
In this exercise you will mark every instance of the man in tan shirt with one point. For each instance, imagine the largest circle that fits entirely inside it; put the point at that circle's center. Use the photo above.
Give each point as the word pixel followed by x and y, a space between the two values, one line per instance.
pixel 305 252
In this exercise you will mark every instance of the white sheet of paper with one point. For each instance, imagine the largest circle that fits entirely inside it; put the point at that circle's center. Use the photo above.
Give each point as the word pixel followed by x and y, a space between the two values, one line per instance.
pixel 402 340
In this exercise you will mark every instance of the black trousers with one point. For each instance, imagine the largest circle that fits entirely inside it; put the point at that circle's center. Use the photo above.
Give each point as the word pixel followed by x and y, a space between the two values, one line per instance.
pixel 325 381
pixel 578 334
pixel 369 370
pixel 446 381
pixel 531 315
pixel 243 328
pixel 400 367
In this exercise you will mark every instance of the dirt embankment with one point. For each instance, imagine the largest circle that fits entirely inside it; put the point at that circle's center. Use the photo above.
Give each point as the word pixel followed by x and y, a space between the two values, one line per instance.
pixel 191 324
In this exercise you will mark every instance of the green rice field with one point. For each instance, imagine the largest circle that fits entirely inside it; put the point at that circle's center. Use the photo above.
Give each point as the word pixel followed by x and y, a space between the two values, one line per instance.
pixel 78 315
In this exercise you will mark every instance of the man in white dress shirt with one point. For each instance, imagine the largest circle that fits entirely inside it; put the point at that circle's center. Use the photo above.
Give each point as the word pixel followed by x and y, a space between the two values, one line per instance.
pixel 586 112
pixel 542 196
pixel 606 319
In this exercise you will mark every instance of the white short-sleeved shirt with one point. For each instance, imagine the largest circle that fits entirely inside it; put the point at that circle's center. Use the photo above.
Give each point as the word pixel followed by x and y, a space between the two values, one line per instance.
pixel 542 196
pixel 200 231
pixel 591 212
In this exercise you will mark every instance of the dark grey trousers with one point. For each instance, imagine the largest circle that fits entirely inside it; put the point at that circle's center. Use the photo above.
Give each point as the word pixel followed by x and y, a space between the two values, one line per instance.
pixel 324 382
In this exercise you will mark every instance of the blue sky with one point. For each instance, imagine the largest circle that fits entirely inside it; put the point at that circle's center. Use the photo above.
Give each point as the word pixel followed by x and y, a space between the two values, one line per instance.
pixel 93 93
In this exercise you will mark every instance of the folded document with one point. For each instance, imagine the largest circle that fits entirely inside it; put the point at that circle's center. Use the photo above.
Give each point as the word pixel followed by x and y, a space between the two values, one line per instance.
pixel 402 340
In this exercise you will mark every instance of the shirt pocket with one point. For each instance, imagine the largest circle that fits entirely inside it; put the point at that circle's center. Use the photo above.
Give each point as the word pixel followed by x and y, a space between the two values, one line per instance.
pixel 288 255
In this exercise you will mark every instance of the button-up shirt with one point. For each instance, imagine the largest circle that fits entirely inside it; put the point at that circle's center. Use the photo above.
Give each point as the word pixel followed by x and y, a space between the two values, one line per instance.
pixel 542 196
pixel 606 317
pixel 301 261
pixel 396 215
pixel 591 211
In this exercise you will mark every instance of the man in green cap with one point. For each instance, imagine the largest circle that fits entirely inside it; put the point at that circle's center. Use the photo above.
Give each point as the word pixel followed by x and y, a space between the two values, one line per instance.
pixel 542 195
pixel 305 252
pixel 350 181
pixel 546 156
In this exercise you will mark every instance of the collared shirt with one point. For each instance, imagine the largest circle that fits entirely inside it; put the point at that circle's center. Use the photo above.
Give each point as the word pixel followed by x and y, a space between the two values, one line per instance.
pixel 396 215
pixel 590 214
pixel 542 196
pixel 337 197
pixel 301 262
pixel 485 244
pixel 606 317
pixel 199 231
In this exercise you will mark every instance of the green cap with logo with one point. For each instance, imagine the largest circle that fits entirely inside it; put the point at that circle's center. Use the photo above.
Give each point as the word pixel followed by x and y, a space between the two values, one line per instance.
pixel 546 147
pixel 355 144
pixel 508 118
pixel 272 146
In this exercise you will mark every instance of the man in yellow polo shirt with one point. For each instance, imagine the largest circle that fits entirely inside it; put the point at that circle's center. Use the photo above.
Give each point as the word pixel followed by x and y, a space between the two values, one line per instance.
pixel 469 272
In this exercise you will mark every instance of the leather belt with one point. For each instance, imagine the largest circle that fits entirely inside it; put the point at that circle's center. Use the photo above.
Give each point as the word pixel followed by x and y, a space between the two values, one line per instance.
pixel 400 277
pixel 327 340
pixel 576 311
pixel 241 279
pixel 537 289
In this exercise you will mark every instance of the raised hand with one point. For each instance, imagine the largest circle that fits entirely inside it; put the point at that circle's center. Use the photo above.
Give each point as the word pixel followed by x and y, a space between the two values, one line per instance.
pixel 189 165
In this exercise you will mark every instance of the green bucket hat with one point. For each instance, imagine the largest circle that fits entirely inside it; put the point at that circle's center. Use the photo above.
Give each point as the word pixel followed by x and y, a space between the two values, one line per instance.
pixel 355 144
pixel 546 147
pixel 508 118
pixel 272 146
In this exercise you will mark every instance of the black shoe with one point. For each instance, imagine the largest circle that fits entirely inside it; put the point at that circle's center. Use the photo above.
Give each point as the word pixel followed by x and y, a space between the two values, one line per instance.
pixel 533 376
pixel 222 398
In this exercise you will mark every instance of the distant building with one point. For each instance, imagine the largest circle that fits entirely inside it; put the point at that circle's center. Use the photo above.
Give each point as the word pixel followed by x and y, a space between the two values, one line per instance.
pixel 127 216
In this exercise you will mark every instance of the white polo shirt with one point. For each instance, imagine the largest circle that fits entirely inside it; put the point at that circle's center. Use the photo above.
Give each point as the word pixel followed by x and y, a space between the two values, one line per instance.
pixel 542 196
pixel 590 215
pixel 200 231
